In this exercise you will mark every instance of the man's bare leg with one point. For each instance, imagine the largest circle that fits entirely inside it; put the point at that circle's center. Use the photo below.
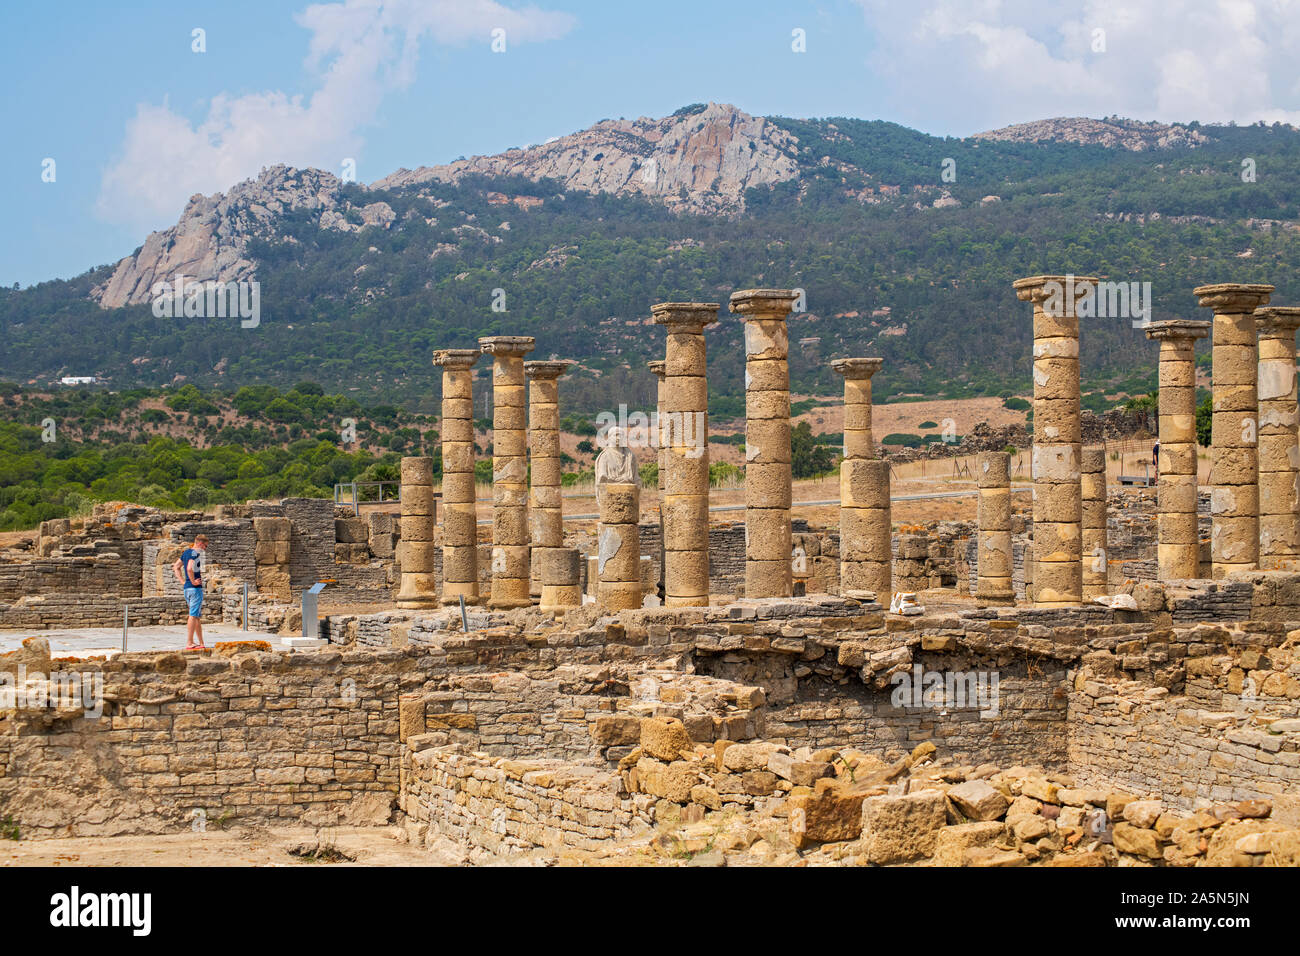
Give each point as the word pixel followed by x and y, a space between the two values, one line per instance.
pixel 198 631
pixel 189 632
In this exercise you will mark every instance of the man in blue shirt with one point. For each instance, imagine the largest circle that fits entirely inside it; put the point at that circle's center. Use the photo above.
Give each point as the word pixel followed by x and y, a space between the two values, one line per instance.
pixel 189 570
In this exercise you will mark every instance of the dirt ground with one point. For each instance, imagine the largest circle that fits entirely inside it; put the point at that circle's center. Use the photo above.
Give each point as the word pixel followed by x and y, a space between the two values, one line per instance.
pixel 238 846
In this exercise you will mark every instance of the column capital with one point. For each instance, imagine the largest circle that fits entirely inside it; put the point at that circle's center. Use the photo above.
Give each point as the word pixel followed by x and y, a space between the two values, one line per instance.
pixel 456 358
pixel 549 370
pixel 1233 297
pixel 857 367
pixel 659 367
pixel 1038 289
pixel 685 316
pixel 763 303
pixel 1278 320
pixel 1172 330
pixel 507 344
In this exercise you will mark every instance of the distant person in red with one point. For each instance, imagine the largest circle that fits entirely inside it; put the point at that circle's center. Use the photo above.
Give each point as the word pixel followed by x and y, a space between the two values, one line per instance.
pixel 188 569
pixel 1155 458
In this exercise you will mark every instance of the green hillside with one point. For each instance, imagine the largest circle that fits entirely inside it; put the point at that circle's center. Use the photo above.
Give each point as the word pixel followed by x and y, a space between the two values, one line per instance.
pixel 361 312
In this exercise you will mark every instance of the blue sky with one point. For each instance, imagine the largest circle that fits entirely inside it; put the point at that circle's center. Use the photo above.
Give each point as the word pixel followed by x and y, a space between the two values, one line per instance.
pixel 136 121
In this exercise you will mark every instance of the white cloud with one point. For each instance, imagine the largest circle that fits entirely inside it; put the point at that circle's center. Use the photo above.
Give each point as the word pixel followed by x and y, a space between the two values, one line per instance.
pixel 360 50
pixel 971 65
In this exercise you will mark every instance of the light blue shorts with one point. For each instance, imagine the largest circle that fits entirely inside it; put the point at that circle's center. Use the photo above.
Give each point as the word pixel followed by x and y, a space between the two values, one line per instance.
pixel 194 598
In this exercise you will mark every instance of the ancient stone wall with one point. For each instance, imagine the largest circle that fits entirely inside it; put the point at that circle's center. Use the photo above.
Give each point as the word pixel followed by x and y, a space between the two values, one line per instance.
pixel 502 805
pixel 111 568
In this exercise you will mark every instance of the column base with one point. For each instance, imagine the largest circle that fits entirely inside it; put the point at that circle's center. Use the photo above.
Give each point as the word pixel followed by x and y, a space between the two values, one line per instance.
pixel 452 593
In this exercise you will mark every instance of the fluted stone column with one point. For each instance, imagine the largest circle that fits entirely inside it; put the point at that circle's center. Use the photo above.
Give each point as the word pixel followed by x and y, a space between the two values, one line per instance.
pixel 510 562
pixel 1234 439
pixel 859 443
pixel 561 573
pixel 419 586
pixel 1178 550
pixel 858 524
pixel 1092 492
pixel 1279 454
pixel 659 369
pixel 459 508
pixel 545 511
pixel 768 572
pixel 994 562
pixel 685 425
pixel 1058 536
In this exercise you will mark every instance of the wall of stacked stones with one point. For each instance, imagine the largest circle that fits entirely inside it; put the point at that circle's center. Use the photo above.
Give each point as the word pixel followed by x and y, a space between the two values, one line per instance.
pixel 513 805
pixel 113 568
pixel 314 737
pixel 230 547
pixel 255 737
pixel 90 610
pixel 1194 714
pixel 830 682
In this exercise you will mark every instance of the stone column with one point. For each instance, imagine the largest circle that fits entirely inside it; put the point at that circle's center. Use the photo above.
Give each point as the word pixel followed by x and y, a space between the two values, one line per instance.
pixel 993 558
pixel 1279 454
pixel 858 440
pixel 561 573
pixel 618 545
pixel 1058 538
pixel 419 587
pixel 1178 550
pixel 1092 488
pixel 459 507
pixel 685 426
pixel 510 563
pixel 545 511
pixel 857 571
pixel 767 439
pixel 865 528
pixel 659 370
pixel 1234 438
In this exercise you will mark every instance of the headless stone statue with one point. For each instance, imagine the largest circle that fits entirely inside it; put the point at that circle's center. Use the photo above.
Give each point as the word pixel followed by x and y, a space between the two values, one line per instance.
pixel 616 464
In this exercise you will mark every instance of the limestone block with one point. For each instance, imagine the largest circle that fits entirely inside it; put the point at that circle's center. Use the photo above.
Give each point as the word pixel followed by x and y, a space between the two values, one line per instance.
pixel 903 828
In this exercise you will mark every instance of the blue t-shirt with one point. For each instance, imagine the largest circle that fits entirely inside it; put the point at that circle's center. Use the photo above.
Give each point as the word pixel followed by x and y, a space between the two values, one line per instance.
pixel 188 555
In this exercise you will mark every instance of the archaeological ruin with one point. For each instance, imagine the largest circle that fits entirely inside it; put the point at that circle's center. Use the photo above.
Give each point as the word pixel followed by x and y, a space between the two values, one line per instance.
pixel 1085 674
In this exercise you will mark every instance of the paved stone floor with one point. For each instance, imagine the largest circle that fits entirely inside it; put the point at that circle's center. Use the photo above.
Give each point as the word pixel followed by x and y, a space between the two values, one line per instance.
pixel 88 641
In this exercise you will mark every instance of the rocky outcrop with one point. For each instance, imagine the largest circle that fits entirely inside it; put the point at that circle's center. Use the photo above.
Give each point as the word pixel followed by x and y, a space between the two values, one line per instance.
pixel 209 241
pixel 700 159
pixel 1113 133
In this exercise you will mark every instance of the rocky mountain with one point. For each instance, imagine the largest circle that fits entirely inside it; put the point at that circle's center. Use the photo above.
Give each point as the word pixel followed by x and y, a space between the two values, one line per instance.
pixel 702 159
pixel 1113 133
